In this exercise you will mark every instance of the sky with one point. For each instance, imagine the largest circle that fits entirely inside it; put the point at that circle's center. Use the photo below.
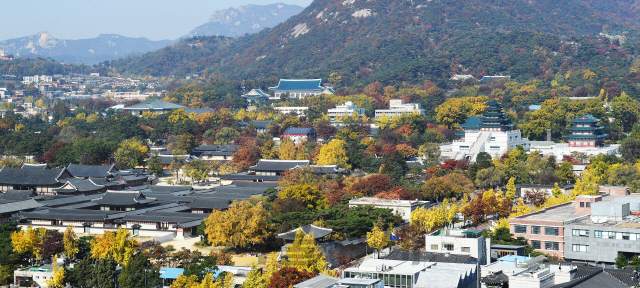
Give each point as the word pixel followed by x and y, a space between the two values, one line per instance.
pixel 82 19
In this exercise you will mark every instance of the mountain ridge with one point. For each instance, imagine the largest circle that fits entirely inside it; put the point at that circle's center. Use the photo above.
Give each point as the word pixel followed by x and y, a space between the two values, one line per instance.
pixel 235 22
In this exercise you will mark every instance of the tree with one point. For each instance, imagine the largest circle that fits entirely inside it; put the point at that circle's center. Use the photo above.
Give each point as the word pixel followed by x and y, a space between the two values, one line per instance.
pixel 118 246
pixel 269 151
pixel 105 274
pixel 176 165
pixel 625 110
pixel 59 275
pixel 247 155
pixel 511 189
pixel 630 149
pixel 333 153
pixel 81 274
pixel 287 150
pixel 455 111
pixel 377 238
pixel 309 195
pixel 556 191
pixel 131 153
pixel 289 276
pixel 621 261
pixel 226 136
pixel 305 255
pixel 185 282
pixel 258 279
pixel 155 164
pixel 243 224
pixel 70 242
pixel 181 144
pixel 395 166
pixel 29 240
pixel 139 273
pixel 52 243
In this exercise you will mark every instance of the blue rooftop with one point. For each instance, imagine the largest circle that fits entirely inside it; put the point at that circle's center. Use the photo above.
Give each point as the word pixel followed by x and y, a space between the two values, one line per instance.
pixel 170 273
pixel 512 258
pixel 255 93
pixel 473 122
pixel 299 131
pixel 298 84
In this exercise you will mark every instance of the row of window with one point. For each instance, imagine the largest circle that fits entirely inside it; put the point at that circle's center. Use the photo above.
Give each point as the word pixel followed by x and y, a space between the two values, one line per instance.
pixel 390 280
pixel 535 230
pixel 548 245
pixel 616 235
pixel 450 247
pixel 580 248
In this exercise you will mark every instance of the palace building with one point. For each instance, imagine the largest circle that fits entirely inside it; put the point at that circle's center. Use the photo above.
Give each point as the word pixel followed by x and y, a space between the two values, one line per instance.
pixel 585 133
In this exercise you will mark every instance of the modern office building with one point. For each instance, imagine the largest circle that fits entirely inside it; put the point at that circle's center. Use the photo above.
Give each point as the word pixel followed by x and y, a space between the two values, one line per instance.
pixel 347 109
pixel 459 242
pixel 397 107
pixel 400 207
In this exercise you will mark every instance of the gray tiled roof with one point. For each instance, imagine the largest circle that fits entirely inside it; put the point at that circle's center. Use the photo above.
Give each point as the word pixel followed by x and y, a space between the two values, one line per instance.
pixel 35 166
pixel 254 184
pixel 318 232
pixel 70 199
pixel 19 206
pixel 91 170
pixel 124 197
pixel 67 214
pixel 299 131
pixel 17 195
pixel 241 190
pixel 14 176
pixel 246 176
pixel 210 203
pixel 82 186
pixel 261 123
pixel 279 165
pixel 155 104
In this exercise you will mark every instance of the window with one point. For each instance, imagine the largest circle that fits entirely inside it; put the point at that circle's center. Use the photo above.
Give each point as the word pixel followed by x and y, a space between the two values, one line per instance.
pixel 580 248
pixel 551 231
pixel 464 147
pixel 581 204
pixel 597 234
pixel 448 247
pixel 86 230
pixel 493 138
pixel 521 229
pixel 612 235
pixel 625 236
pixel 535 230
pixel 580 232
pixel 494 147
pixel 588 204
pixel 551 246
pixel 535 244
pixel 466 249
pixel 434 247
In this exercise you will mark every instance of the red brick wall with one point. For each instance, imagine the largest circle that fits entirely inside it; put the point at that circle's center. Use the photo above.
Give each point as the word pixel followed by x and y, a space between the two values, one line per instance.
pixel 584 199
pixel 615 191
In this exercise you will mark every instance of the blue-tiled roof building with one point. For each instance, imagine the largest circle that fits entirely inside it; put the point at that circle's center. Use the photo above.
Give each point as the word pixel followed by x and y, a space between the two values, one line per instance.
pixel 300 88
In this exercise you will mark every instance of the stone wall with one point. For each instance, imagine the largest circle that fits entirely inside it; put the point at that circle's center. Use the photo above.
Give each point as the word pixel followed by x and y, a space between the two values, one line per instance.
pixel 353 251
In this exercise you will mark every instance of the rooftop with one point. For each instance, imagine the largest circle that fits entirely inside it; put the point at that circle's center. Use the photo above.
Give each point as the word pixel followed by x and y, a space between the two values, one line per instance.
pixel 561 212
pixel 91 170
pixel 298 84
pixel 397 266
pixel 279 165
pixel 155 104
pixel 318 232
pixel 17 176
pixel 381 201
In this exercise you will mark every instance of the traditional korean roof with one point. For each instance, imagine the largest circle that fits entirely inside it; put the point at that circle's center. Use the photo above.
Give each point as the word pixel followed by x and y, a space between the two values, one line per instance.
pixel 255 93
pixel 279 165
pixel 585 118
pixel 19 206
pixel 79 186
pixel 298 85
pixel 241 190
pixel 473 122
pixel 495 278
pixel 585 136
pixel 67 214
pixel 180 218
pixel 210 203
pixel 299 131
pixel 318 232
pixel 35 166
pixel 155 104
pixel 17 195
pixel 68 200
pixel 261 123
pixel 253 184
pixel 248 177
pixel 15 176
pixel 124 198
pixel 91 170
pixel 325 169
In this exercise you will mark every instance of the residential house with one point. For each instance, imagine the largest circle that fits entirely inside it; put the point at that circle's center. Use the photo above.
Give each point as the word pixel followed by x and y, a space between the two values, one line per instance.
pixel 400 207
pixel 298 135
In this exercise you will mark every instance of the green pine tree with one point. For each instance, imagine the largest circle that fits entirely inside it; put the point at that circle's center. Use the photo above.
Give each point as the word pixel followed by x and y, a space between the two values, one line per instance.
pixel 80 275
pixel 139 273
pixel 395 166
pixel 104 274
pixel 621 261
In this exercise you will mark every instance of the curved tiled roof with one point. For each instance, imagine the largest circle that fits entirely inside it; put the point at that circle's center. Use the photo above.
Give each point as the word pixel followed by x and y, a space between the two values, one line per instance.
pixel 15 176
pixel 91 170
pixel 318 232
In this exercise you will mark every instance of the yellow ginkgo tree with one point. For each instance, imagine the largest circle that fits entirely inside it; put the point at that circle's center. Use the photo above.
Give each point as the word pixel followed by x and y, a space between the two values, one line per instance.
pixel 377 238
pixel 59 275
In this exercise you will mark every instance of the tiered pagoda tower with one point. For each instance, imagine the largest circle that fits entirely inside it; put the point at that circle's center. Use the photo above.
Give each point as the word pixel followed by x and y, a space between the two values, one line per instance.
pixel 493 118
pixel 585 133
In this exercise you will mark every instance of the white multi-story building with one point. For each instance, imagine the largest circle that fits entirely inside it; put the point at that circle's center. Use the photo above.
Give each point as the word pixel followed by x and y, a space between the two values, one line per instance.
pixel 397 107
pixel 36 79
pixel 458 241
pixel 400 207
pixel 490 133
pixel 347 109
pixel 299 111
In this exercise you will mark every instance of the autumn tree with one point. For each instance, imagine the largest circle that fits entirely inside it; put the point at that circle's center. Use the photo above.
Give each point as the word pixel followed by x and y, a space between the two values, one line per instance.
pixel 288 276
pixel 131 153
pixel 59 275
pixel 455 111
pixel 155 164
pixel 625 110
pixel 261 279
pixel 139 272
pixel 226 136
pixel 511 189
pixel 377 238
pixel 304 254
pixel 181 144
pixel 243 224
pixel 309 195
pixel 333 153
pixel 29 240
pixel 287 150
pixel 118 246
pixel 247 155
pixel 52 243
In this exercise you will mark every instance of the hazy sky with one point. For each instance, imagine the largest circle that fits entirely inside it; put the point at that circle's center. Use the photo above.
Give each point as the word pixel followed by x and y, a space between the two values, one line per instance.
pixel 81 19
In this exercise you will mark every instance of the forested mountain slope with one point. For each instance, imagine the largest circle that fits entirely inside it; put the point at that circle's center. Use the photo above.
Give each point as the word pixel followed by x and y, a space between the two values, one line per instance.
pixel 383 39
